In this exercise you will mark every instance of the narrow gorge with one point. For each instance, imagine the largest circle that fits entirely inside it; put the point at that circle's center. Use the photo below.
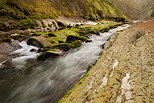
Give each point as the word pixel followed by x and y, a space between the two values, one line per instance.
pixel 80 51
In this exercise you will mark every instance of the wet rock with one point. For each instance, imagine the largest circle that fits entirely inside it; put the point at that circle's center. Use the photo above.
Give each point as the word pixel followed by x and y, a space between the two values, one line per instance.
pixel 62 46
pixel 77 25
pixel 88 40
pixel 69 26
pixel 39 50
pixel 61 24
pixel 33 50
pixel 7 48
pixel 38 41
pixel 52 35
pixel 76 44
pixel 72 38
pixel 50 53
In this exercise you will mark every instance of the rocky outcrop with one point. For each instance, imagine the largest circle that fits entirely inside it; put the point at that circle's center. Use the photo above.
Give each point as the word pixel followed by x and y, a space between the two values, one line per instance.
pixel 124 72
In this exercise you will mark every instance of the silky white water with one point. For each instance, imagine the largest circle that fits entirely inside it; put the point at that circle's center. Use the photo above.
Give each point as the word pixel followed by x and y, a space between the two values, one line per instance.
pixel 48 81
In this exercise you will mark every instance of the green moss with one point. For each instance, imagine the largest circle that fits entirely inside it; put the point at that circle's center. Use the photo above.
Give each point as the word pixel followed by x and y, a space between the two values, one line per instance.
pixel 56 40
pixel 51 34
pixel 67 46
pixel 63 46
pixel 65 33
pixel 26 23
pixel 75 44
pixel 24 13
pixel 49 53
pixel 37 33
pixel 95 29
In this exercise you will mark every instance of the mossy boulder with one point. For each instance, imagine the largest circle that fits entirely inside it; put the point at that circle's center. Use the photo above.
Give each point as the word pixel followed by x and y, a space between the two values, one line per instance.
pixel 50 53
pixel 62 46
pixel 58 39
pixel 88 29
pixel 76 44
pixel 72 38
pixel 65 33
pixel 67 46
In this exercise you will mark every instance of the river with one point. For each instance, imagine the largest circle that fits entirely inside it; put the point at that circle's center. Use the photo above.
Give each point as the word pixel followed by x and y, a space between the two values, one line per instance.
pixel 47 81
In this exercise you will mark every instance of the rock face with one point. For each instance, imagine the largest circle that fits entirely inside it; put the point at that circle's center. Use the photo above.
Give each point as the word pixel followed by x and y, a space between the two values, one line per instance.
pixel 124 72
pixel 6 49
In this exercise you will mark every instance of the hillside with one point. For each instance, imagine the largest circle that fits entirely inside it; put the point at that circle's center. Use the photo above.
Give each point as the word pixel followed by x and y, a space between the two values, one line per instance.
pixel 21 14
pixel 136 9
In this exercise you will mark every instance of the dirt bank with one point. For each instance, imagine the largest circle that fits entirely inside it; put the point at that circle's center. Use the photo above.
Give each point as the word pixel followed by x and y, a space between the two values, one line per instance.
pixel 124 73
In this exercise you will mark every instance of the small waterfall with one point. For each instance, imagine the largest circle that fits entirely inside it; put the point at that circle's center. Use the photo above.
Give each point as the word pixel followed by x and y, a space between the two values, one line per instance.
pixel 48 81
pixel 25 54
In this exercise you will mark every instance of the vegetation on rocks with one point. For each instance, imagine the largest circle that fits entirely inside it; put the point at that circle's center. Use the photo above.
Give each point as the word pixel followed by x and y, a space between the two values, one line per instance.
pixel 66 39
pixel 22 14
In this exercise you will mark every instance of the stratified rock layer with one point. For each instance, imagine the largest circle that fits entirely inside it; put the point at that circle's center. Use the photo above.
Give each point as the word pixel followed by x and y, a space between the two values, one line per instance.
pixel 124 73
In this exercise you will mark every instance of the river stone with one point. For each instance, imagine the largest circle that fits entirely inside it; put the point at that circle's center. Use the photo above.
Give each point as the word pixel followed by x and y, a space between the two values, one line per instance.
pixel 7 48
pixel 39 41
pixel 50 53
pixel 88 40
pixel 33 50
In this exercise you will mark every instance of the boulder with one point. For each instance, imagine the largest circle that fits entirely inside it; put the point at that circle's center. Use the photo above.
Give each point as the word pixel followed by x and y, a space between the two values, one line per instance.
pixel 75 44
pixel 33 50
pixel 49 53
pixel 7 48
pixel 88 40
pixel 62 46
pixel 39 41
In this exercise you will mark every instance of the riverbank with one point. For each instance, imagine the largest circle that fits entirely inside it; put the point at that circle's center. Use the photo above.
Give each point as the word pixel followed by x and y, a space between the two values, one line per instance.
pixel 124 72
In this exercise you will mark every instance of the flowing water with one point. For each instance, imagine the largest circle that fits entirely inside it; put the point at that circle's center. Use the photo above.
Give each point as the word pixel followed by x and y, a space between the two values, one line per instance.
pixel 48 81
